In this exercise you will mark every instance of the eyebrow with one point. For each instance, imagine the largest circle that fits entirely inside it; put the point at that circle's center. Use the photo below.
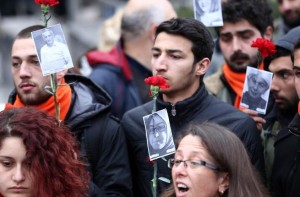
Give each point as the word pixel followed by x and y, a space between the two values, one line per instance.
pixel 30 56
pixel 238 32
pixel 283 70
pixel 168 50
pixel 296 67
pixel 192 152
pixel 5 157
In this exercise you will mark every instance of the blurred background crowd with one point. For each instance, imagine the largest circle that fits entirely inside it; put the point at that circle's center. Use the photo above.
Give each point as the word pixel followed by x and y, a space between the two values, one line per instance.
pixel 81 21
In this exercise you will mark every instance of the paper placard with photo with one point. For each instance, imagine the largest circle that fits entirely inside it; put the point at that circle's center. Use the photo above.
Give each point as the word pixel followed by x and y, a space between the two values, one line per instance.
pixel 159 136
pixel 52 49
pixel 209 12
pixel 256 90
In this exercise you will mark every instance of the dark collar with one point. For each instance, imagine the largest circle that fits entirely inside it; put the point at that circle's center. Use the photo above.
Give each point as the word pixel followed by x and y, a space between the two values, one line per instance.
pixel 186 109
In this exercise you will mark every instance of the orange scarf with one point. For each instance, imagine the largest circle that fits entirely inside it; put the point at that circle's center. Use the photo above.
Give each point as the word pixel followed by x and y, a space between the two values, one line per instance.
pixel 63 97
pixel 236 82
pixel 299 108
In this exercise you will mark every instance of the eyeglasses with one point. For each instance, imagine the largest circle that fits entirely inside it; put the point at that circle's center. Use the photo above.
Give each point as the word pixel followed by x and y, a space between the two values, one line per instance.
pixel 158 127
pixel 193 164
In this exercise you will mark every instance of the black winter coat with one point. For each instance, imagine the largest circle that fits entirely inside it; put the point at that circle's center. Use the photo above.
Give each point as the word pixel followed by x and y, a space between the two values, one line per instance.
pixel 285 179
pixel 199 108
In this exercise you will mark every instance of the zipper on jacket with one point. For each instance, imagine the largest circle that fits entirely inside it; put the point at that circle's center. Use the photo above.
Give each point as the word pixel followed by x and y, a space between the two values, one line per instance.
pixel 173 110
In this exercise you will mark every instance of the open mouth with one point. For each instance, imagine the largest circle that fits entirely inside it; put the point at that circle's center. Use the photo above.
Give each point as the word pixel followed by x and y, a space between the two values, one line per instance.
pixel 182 188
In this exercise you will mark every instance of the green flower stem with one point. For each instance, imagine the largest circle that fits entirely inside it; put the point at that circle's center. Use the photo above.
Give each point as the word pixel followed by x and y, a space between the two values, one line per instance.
pixel 154 90
pixel 54 89
pixel 45 11
pixel 53 84
pixel 258 59
pixel 154 180
pixel 154 105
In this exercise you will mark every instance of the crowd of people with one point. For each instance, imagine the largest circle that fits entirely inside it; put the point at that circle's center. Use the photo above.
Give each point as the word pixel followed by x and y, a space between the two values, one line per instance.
pixel 109 140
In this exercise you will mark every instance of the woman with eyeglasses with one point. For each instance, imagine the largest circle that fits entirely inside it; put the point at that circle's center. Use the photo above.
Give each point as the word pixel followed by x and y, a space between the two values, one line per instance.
pixel 211 161
pixel 38 158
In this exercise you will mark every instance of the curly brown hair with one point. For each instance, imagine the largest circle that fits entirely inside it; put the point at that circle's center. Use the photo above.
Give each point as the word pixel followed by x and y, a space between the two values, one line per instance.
pixel 51 150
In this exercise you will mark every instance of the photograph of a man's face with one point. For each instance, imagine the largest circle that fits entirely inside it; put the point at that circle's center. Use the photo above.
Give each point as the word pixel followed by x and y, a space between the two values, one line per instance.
pixel 52 50
pixel 209 12
pixel 158 134
pixel 256 90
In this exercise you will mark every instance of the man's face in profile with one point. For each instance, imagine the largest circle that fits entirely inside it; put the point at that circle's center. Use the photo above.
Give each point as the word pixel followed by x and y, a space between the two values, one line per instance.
pixel 256 85
pixel 157 132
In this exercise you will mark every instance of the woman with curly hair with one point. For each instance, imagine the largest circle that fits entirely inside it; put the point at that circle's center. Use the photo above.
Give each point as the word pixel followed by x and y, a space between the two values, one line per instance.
pixel 38 158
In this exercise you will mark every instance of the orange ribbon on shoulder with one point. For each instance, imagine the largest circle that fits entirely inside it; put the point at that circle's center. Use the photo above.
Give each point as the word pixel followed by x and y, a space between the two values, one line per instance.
pixel 63 97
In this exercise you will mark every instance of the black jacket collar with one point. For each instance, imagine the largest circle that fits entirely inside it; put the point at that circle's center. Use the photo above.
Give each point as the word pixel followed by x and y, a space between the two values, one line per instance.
pixel 187 108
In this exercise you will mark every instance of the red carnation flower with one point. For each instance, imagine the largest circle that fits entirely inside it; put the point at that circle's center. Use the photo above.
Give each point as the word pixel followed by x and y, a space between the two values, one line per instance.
pixel 265 47
pixel 157 81
pixel 47 2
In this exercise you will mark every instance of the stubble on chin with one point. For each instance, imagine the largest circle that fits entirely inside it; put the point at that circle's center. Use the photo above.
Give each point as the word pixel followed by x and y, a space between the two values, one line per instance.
pixel 32 98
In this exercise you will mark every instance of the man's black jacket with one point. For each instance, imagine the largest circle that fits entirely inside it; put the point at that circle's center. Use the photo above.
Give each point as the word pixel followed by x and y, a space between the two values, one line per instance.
pixel 198 108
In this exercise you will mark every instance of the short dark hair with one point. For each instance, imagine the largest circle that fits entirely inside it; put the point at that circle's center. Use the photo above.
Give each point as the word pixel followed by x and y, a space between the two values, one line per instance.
pixel 280 52
pixel 26 33
pixel 257 12
pixel 193 30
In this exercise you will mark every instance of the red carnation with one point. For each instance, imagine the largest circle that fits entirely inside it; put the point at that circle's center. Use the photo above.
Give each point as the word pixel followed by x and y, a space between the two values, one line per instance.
pixel 265 47
pixel 47 2
pixel 157 81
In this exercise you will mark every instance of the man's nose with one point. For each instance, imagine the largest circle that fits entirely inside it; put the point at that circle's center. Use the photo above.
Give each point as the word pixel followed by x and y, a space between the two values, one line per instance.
pixel 236 44
pixel 274 85
pixel 160 64
pixel 156 133
pixel 25 70
pixel 255 86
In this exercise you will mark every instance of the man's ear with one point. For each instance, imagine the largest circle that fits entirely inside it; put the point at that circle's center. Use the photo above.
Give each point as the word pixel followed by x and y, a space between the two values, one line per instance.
pixel 60 75
pixel 202 66
pixel 268 33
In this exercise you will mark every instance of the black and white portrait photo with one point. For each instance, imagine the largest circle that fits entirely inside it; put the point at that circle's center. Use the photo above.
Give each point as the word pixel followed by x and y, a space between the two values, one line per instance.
pixel 159 135
pixel 256 90
pixel 209 12
pixel 53 52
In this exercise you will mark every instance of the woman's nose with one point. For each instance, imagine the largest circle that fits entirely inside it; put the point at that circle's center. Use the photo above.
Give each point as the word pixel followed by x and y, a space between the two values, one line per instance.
pixel 18 175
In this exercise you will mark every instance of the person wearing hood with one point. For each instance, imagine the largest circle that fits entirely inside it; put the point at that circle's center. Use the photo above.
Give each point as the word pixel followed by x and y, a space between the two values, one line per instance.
pixel 283 94
pixel 285 176
pixel 84 108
